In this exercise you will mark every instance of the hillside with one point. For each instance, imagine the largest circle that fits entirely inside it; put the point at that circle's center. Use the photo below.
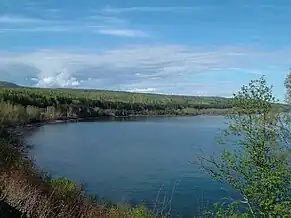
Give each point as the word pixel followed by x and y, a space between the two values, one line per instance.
pixel 47 104
pixel 8 84
pixel 80 103
pixel 116 96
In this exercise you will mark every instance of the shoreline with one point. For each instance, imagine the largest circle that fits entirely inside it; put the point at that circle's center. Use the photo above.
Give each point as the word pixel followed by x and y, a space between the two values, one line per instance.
pixel 21 130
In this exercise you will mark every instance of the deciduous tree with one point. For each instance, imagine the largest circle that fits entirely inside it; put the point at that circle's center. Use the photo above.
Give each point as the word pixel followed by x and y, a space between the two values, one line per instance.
pixel 288 87
pixel 259 165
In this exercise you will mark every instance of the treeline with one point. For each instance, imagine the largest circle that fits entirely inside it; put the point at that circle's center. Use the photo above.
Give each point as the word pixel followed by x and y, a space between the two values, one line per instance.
pixel 46 104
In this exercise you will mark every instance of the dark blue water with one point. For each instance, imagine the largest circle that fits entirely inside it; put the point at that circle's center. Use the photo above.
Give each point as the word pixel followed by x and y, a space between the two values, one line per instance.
pixel 145 159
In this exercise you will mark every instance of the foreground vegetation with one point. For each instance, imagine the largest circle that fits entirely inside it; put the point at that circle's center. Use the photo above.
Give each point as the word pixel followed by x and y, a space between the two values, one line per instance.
pixel 259 169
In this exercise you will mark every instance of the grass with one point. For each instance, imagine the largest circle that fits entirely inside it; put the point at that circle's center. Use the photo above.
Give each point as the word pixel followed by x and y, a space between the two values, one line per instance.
pixel 8 84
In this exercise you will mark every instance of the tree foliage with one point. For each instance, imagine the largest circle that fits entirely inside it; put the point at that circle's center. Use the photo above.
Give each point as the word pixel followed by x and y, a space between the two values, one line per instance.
pixel 259 165
pixel 47 104
pixel 288 87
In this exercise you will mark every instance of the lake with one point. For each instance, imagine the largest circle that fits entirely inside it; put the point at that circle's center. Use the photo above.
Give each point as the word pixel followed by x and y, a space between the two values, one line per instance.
pixel 150 159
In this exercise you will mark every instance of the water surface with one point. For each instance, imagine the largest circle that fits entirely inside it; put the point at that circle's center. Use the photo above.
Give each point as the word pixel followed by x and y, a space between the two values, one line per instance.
pixel 144 159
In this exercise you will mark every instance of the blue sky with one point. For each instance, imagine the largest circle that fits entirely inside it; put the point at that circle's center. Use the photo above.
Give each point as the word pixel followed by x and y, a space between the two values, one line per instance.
pixel 193 47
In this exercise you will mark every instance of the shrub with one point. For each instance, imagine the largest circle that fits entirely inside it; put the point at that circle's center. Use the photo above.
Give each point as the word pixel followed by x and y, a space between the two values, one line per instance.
pixel 64 188
pixel 260 167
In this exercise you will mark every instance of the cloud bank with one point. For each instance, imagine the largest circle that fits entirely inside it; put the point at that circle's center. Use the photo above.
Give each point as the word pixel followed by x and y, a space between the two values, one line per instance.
pixel 143 68
pixel 94 24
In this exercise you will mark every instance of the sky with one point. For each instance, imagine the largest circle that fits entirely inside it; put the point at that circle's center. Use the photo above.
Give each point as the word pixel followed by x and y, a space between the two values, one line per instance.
pixel 189 47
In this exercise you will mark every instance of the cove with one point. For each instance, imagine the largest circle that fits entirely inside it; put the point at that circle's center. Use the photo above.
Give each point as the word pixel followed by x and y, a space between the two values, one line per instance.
pixel 149 159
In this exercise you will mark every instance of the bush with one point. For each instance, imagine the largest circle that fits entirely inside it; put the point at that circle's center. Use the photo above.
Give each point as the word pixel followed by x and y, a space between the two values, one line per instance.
pixel 65 189
pixel 259 168
pixel 127 211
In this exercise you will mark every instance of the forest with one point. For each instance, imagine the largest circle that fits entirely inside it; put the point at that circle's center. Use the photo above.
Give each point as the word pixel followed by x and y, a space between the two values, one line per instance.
pixel 37 104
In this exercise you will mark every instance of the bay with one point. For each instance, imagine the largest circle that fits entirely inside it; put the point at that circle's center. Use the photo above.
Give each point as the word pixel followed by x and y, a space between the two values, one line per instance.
pixel 149 159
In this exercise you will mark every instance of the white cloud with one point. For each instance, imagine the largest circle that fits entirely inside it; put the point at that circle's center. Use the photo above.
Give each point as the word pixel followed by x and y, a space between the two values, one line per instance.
pixel 42 29
pixel 123 32
pixel 19 19
pixel 144 68
pixel 59 79
pixel 105 25
pixel 108 20
pixel 145 90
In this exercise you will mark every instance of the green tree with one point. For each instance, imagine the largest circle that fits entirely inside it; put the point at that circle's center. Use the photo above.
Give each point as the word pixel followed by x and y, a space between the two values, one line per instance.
pixel 288 87
pixel 258 165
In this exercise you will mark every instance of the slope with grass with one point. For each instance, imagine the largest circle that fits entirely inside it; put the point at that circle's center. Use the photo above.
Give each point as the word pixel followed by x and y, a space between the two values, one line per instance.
pixel 8 84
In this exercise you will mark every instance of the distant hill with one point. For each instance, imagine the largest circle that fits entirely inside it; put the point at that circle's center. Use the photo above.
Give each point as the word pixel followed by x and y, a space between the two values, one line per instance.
pixel 8 84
